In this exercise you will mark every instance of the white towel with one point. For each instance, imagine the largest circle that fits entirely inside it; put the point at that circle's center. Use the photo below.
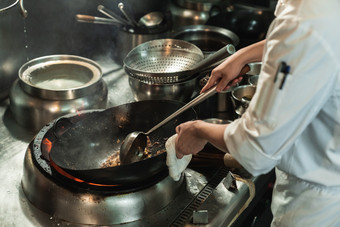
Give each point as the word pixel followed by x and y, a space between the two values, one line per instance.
pixel 176 166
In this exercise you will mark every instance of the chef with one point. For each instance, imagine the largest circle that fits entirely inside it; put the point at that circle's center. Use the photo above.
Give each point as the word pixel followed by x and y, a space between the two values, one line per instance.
pixel 293 121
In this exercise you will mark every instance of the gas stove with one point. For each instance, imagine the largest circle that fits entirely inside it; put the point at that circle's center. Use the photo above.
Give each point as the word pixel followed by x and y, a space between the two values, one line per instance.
pixel 32 195
pixel 157 202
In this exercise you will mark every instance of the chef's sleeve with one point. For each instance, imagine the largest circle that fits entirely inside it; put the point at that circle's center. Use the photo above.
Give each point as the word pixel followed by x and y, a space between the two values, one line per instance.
pixel 276 117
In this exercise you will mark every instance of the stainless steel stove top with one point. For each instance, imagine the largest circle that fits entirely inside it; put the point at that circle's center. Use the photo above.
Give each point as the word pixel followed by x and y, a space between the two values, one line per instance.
pixel 161 204
pixel 221 207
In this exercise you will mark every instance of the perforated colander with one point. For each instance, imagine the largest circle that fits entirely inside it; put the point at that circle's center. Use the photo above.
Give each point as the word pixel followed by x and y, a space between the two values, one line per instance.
pixel 164 61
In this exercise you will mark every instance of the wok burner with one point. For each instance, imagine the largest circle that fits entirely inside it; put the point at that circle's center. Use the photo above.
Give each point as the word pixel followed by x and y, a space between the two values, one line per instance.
pixel 156 202
pixel 81 203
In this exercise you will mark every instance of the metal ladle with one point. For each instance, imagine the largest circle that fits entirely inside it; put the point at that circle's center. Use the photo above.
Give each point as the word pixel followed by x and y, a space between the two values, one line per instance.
pixel 112 15
pixel 132 149
pixel 151 19
pixel 128 17
pixel 95 20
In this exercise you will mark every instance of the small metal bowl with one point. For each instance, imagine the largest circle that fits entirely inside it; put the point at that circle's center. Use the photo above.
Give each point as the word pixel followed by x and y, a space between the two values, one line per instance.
pixel 217 121
pixel 255 68
pixel 252 80
pixel 241 97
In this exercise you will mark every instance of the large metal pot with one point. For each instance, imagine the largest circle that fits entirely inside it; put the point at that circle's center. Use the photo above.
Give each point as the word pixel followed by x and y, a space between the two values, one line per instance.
pixel 126 39
pixel 190 12
pixel 171 71
pixel 182 91
pixel 51 86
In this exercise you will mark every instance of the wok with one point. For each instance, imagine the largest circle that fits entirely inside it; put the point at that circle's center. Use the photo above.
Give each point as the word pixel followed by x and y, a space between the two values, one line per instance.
pixel 250 24
pixel 82 143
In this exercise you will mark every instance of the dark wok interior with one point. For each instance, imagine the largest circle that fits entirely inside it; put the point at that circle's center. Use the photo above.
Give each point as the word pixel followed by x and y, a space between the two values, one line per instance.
pixel 81 144
pixel 250 24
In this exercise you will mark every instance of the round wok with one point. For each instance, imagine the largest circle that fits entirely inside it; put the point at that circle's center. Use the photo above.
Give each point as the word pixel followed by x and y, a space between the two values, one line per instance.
pixel 83 142
pixel 249 24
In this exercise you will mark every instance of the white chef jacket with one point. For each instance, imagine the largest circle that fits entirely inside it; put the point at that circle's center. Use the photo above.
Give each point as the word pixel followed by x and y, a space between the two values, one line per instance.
pixel 297 129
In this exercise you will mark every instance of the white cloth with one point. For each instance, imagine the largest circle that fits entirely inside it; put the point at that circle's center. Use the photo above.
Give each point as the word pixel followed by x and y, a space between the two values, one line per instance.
pixel 176 166
pixel 299 134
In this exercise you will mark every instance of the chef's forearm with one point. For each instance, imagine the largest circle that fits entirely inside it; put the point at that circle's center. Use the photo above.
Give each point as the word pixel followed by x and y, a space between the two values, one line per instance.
pixel 251 53
pixel 213 134
pixel 231 162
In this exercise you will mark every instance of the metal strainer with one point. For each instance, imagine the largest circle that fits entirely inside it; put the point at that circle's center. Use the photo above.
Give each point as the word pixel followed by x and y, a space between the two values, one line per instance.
pixel 164 61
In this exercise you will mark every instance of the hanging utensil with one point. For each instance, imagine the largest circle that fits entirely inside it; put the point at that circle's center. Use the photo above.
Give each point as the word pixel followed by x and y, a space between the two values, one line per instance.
pixel 128 17
pixel 9 6
pixel 132 149
pixel 22 8
pixel 95 20
pixel 112 15
pixel 151 19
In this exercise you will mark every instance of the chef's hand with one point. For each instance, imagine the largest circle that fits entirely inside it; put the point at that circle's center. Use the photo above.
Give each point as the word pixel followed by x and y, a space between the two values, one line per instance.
pixel 228 73
pixel 187 141
pixel 225 75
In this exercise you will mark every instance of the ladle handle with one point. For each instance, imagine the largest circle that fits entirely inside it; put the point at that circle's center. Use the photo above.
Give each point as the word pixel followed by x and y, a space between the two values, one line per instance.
pixel 22 8
pixel 95 20
pixel 190 104
pixel 128 17
pixel 112 15
pixel 194 102
pixel 224 52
